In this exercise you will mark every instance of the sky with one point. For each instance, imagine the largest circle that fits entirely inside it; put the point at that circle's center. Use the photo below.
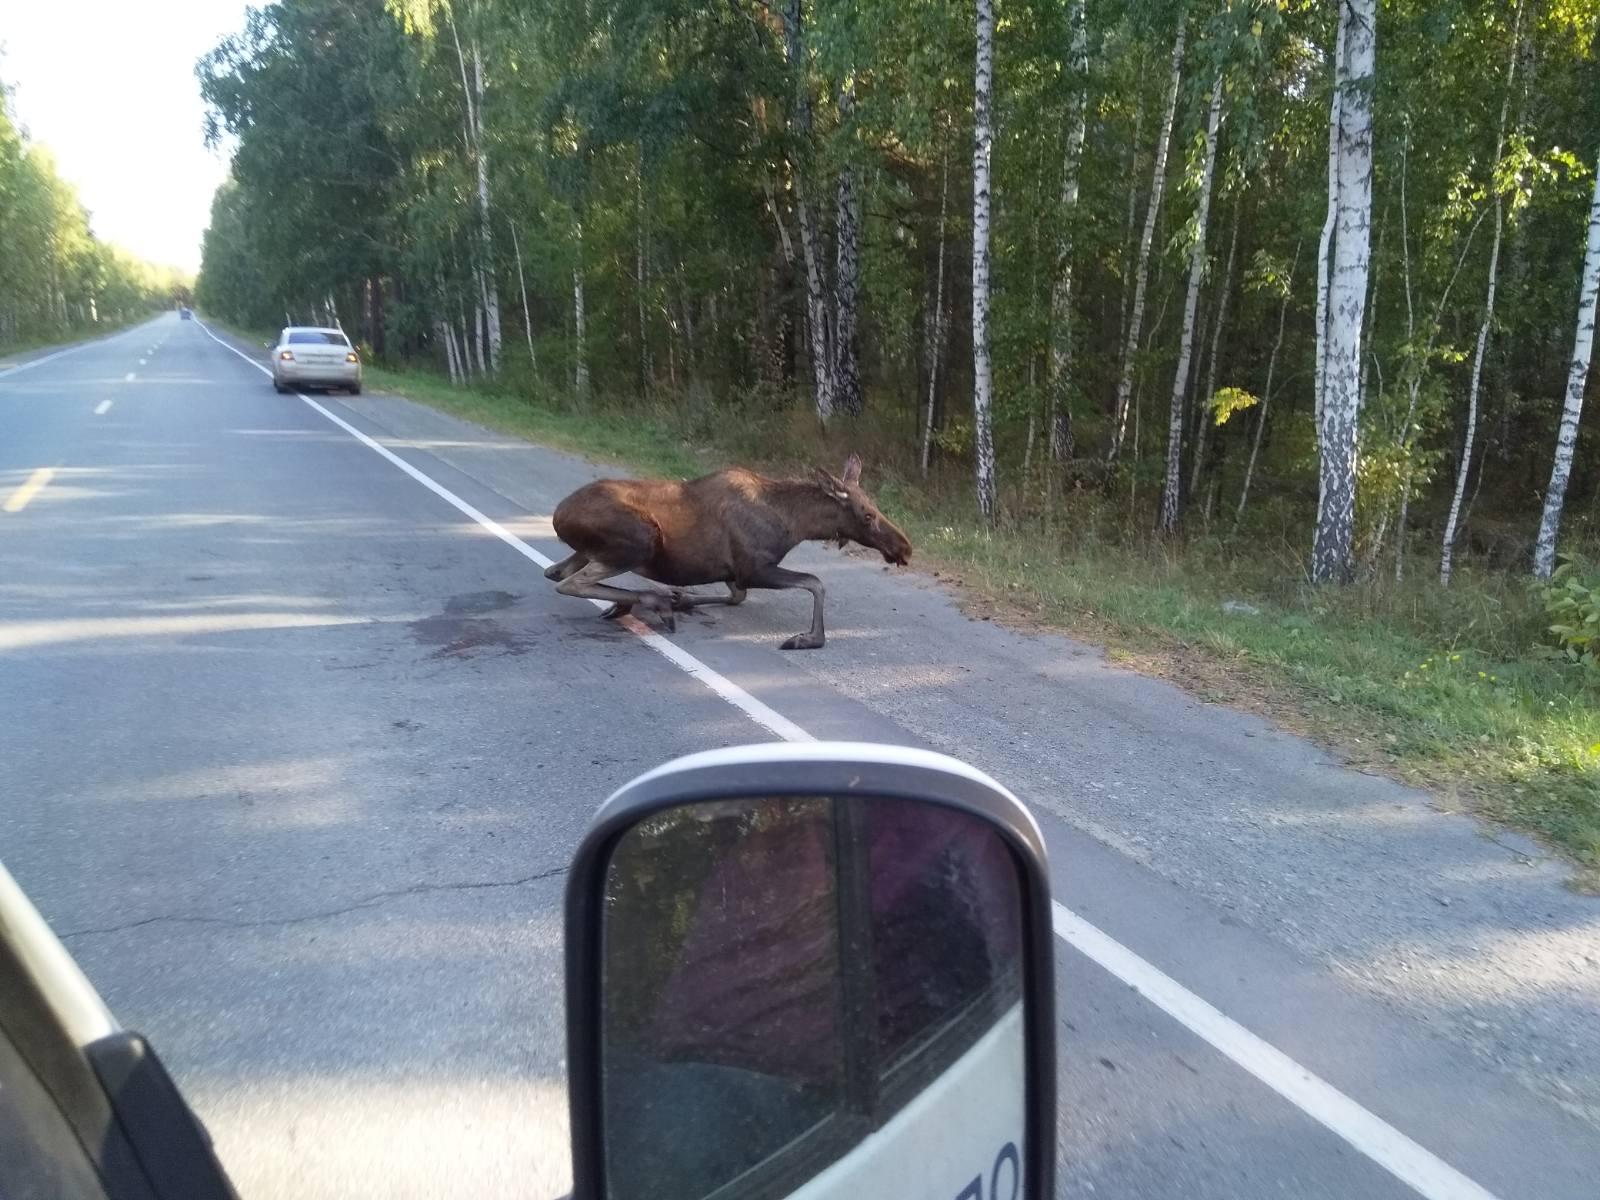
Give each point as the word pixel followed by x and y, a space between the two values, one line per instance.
pixel 109 87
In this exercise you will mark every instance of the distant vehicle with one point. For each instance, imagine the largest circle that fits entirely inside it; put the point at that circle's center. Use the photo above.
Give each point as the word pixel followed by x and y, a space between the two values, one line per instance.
pixel 184 314
pixel 306 355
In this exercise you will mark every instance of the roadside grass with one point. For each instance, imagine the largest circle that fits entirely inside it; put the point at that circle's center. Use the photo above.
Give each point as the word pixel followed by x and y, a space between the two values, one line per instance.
pixel 1445 688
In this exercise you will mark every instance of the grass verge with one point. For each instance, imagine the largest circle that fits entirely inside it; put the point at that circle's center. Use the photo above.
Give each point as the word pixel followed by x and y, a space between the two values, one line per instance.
pixel 1442 688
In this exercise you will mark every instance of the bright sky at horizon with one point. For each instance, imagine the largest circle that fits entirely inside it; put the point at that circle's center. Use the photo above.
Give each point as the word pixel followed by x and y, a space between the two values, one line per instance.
pixel 109 88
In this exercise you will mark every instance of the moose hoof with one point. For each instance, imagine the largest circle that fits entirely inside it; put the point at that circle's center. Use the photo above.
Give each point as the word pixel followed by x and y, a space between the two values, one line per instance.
pixel 682 601
pixel 553 571
pixel 616 612
pixel 802 641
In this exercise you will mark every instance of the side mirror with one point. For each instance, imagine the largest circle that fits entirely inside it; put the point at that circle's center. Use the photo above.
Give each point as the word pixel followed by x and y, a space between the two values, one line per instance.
pixel 817 972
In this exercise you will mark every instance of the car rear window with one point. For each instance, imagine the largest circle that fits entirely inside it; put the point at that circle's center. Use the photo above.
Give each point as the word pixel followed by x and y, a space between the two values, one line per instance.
pixel 316 337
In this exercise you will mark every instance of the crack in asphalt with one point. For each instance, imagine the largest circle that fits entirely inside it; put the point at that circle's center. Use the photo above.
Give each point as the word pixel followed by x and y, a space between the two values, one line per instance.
pixel 371 901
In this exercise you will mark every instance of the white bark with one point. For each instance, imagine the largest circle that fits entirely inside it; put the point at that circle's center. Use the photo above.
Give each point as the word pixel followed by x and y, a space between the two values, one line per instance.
pixel 1325 244
pixel 1172 492
pixel 1158 180
pixel 527 313
pixel 1544 555
pixel 491 291
pixel 982 156
pixel 1447 549
pixel 818 319
pixel 1203 424
pixel 1333 546
pixel 1060 366
pixel 580 348
pixel 847 283
pixel 936 340
pixel 441 329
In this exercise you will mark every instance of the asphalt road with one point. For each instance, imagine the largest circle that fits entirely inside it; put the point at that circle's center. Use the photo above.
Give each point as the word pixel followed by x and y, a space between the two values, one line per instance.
pixel 293 753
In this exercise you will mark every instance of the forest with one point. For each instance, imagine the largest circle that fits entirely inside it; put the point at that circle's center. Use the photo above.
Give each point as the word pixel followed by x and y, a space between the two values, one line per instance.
pixel 1293 300
pixel 56 278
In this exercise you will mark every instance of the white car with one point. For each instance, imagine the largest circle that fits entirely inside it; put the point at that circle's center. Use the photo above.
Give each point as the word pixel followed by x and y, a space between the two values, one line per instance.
pixel 309 356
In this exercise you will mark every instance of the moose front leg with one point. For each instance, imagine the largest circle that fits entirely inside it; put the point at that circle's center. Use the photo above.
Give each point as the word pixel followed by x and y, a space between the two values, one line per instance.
pixel 567 567
pixel 587 583
pixel 779 578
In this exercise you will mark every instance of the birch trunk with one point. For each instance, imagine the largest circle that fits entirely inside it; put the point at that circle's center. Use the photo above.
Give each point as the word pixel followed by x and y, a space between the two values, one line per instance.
pixel 441 330
pixel 1158 179
pixel 1333 546
pixel 1544 554
pixel 982 154
pixel 1060 368
pixel 847 283
pixel 1325 244
pixel 527 313
pixel 491 300
pixel 1447 549
pixel 641 277
pixel 817 317
pixel 1172 492
pixel 580 349
pixel 937 340
pixel 1203 425
pixel 1266 392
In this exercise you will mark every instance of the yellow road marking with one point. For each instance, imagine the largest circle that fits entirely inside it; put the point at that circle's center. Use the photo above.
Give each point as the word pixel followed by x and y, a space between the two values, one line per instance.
pixel 34 485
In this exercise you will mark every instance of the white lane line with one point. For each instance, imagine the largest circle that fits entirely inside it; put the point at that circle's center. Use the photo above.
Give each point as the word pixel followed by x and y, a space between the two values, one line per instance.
pixel 1424 1172
pixel 8 372
pixel 102 408
pixel 142 361
pixel 128 378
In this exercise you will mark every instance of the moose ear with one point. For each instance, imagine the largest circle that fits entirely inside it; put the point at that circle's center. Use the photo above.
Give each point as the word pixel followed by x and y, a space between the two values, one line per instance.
pixel 829 484
pixel 852 469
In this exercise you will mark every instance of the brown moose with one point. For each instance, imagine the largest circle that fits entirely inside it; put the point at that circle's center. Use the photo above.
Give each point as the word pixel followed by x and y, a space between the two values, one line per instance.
pixel 732 527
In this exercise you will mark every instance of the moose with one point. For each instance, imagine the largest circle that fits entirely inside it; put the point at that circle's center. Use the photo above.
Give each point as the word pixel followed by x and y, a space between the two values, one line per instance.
pixel 732 527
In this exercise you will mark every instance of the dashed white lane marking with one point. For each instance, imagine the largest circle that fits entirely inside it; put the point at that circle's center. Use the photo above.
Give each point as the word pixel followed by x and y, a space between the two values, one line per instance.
pixel 1412 1164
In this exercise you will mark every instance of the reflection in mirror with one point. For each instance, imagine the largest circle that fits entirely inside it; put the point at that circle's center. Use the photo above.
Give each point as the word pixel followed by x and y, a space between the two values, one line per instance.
pixel 813 998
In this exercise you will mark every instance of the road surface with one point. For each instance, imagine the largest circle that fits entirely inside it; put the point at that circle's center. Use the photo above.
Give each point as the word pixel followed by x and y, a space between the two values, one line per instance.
pixel 295 749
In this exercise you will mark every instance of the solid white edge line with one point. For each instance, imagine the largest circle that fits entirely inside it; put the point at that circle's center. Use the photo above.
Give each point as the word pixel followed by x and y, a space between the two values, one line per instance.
pixel 1412 1164
pixel 102 408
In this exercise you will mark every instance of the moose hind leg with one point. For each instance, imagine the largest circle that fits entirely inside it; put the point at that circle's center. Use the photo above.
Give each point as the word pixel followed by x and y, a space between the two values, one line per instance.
pixel 570 565
pixel 777 578
pixel 683 600
pixel 587 582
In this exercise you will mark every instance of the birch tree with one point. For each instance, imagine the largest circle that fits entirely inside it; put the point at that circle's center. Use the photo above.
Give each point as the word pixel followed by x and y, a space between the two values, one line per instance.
pixel 847 281
pixel 1544 553
pixel 1172 492
pixel 818 321
pixel 982 157
pixel 1158 180
pixel 1333 543
pixel 1447 549
pixel 1059 378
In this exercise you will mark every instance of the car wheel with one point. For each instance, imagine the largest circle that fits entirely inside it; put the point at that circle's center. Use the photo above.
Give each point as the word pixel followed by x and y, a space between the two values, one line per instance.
pixel 355 389
pixel 279 388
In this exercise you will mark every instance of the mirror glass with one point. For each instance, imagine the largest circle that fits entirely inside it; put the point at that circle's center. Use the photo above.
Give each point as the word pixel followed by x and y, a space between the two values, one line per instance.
pixel 813 998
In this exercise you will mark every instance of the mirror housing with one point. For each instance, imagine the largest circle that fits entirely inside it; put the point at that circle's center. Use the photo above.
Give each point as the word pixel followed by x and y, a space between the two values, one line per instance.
pixel 723 793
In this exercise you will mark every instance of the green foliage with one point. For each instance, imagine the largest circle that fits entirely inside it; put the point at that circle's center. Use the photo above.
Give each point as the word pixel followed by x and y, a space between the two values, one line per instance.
pixel 56 277
pixel 1571 599
pixel 1230 400
pixel 654 154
